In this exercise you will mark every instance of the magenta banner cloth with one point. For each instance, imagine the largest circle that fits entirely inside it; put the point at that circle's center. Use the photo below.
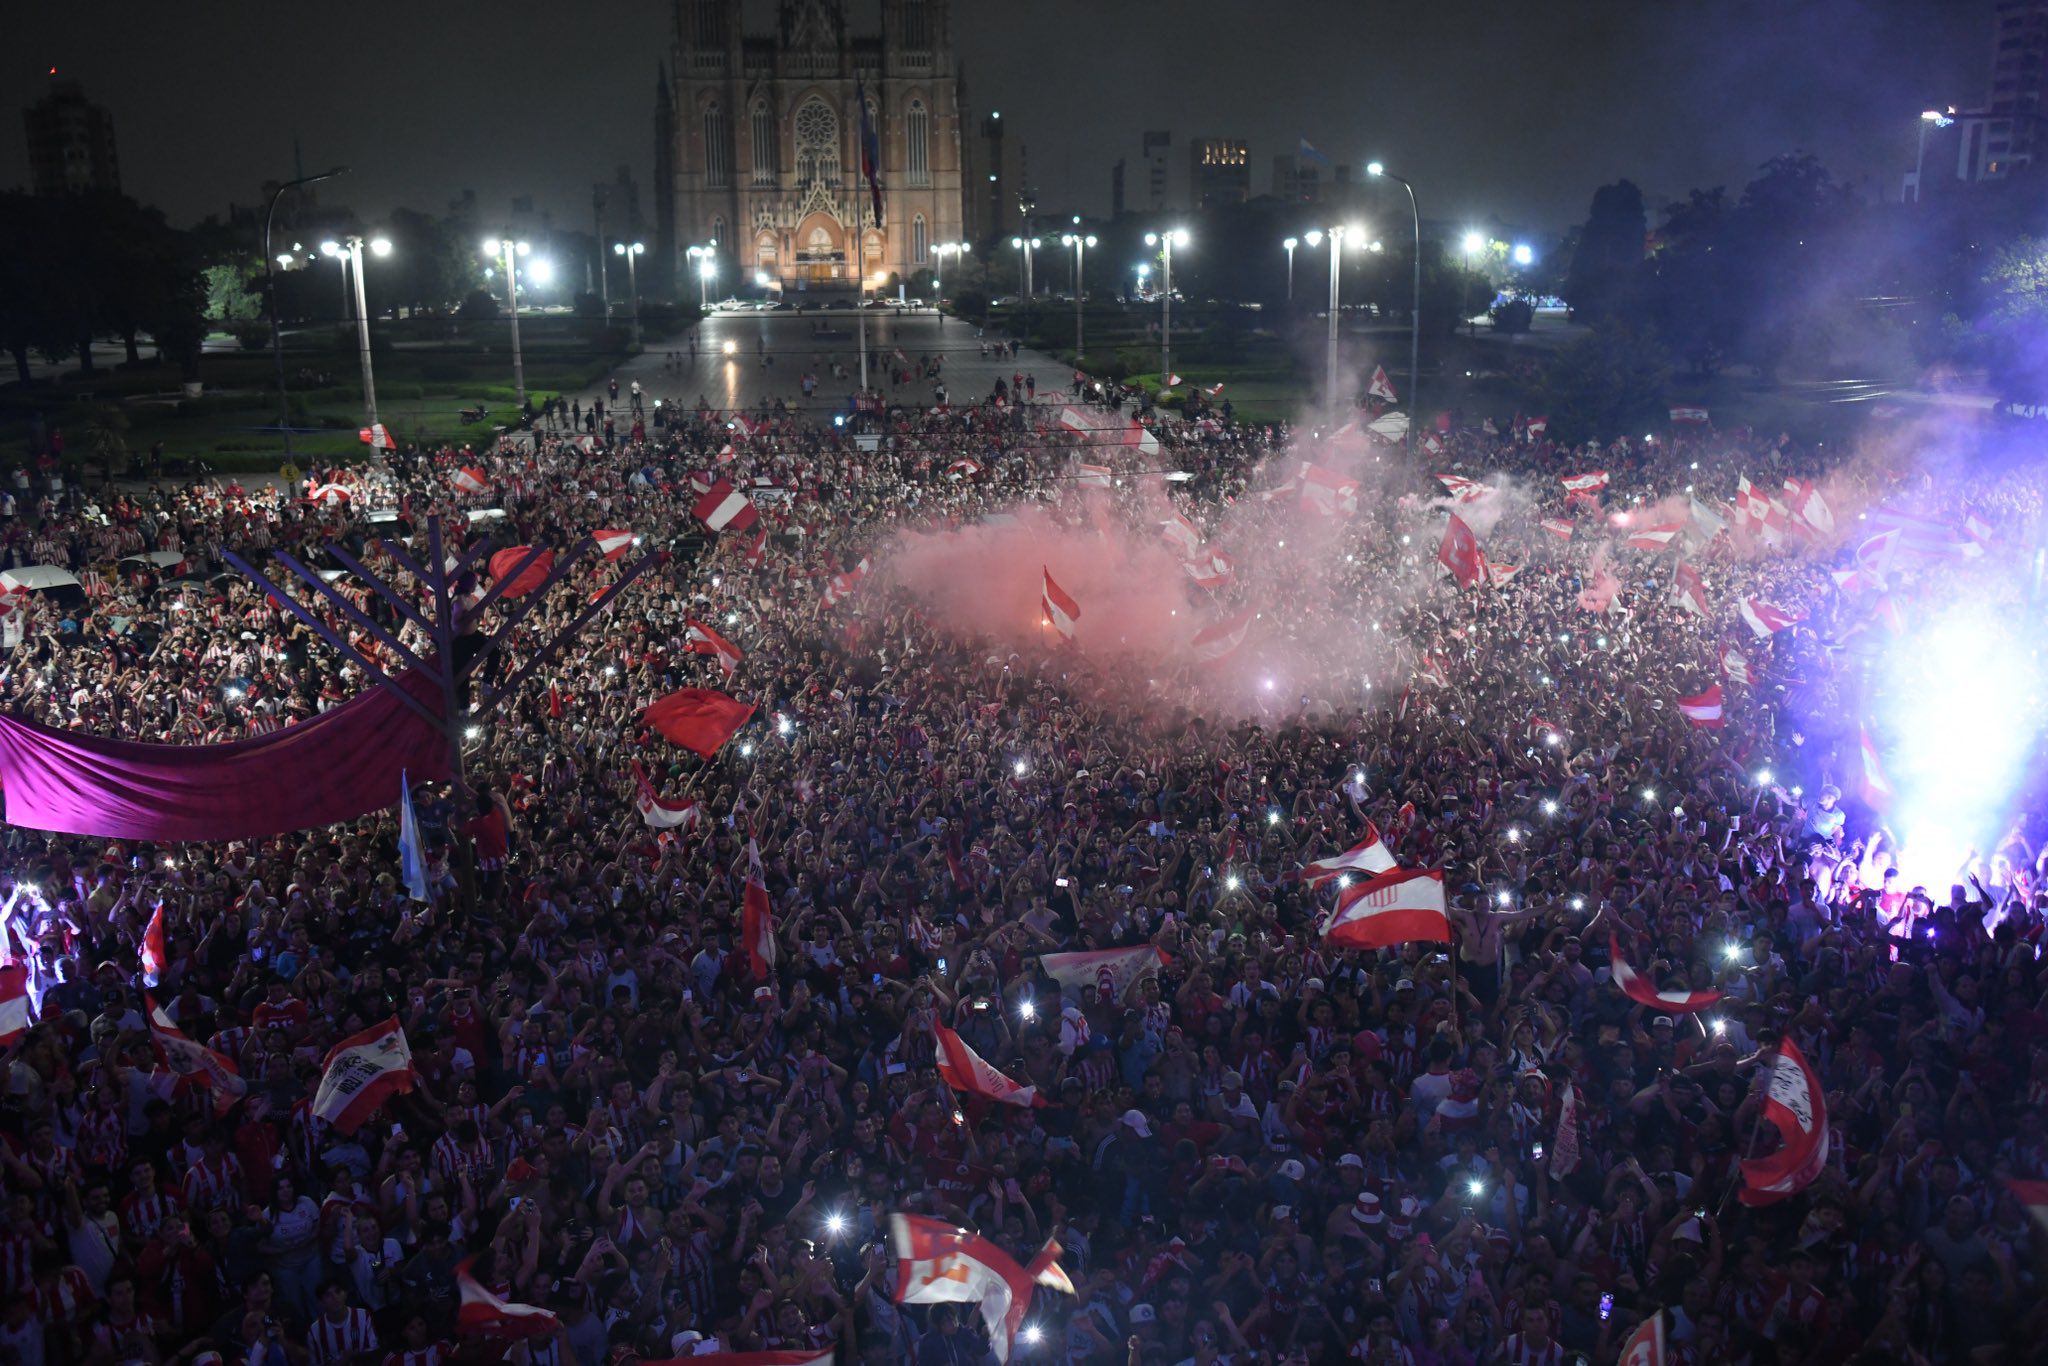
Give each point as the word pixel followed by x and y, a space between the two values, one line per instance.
pixel 335 767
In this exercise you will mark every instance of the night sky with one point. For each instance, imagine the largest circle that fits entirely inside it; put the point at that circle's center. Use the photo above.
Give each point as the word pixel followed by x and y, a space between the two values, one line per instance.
pixel 1494 108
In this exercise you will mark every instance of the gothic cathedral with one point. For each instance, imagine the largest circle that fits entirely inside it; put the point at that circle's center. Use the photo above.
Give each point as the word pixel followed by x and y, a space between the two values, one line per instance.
pixel 758 145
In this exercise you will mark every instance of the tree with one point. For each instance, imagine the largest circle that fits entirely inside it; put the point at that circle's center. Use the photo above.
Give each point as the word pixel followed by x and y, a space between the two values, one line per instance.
pixel 230 297
pixel 2015 317
pixel 1605 276
pixel 1608 381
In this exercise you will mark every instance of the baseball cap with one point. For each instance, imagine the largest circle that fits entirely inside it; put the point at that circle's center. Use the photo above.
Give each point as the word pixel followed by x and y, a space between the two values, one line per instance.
pixel 1143 1313
pixel 1233 1081
pixel 1366 1209
pixel 1283 1211
pixel 1136 1121
pixel 1293 1170
pixel 1351 1160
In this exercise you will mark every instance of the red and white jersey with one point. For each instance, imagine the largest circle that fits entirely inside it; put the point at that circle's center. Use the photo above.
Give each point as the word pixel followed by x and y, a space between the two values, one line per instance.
pixel 1518 1352
pixel 433 1354
pixel 331 1343
pixel 142 1215
pixel 65 1297
pixel 211 1184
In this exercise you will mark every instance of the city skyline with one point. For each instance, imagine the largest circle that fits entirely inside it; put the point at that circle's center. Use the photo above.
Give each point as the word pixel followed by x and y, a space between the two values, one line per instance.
pixel 1688 95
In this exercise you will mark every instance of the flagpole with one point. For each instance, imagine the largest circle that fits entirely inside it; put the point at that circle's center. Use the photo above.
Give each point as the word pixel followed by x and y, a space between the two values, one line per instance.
pixel 860 286
pixel 1756 1131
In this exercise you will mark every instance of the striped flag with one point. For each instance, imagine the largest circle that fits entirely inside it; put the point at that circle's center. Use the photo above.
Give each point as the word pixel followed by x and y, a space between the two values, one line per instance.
pixel 700 639
pixel 1640 990
pixel 1654 537
pixel 472 479
pixel 1061 611
pixel 613 545
pixel 723 507
pixel 1734 667
pixel 1369 855
pixel 1688 591
pixel 1767 618
pixel 658 812
pixel 483 1315
pixel 1877 788
pixel 1558 527
pixel 1399 907
pixel 1704 709
pixel 1215 643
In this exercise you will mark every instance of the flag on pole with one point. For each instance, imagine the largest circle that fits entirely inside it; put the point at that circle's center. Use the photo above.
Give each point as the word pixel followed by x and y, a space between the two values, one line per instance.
pixel 1368 856
pixel 1654 537
pixel 1558 527
pixel 1458 552
pixel 1564 1144
pixel 412 850
pixel 870 151
pixel 967 1072
pixel 1704 709
pixel 1381 387
pixel 698 719
pixel 1394 908
pixel 724 507
pixel 1461 489
pixel 1796 1107
pixel 1327 492
pixel 194 1061
pixel 483 1315
pixel 700 639
pixel 1640 990
pixel 613 545
pixel 472 479
pixel 1767 618
pixel 1217 642
pixel 1592 482
pixel 1688 590
pixel 154 953
pixel 658 812
pixel 841 586
pixel 757 922
pixel 937 1263
pixel 1061 611
pixel 1646 1346
pixel 361 1073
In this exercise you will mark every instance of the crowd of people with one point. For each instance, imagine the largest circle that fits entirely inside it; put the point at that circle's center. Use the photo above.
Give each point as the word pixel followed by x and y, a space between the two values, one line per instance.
pixel 1264 1150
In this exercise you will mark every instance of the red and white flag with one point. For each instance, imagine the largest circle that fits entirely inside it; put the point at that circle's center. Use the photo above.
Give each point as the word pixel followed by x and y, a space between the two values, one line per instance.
pixel 1211 569
pixel 483 1315
pixel 1368 856
pixel 472 479
pixel 964 468
pixel 1564 1144
pixel 1591 482
pixel 1327 492
pixel 376 437
pixel 17 1006
pixel 937 1263
pixel 1752 506
pixel 1461 489
pixel 1691 416
pixel 329 494
pixel 193 1060
pixel 726 453
pixel 1599 594
pixel 1794 1106
pixel 1173 381
pixel 1977 530
pixel 966 1071
pixel 1181 534
pixel 1654 537
pixel 1458 552
pixel 1220 640
pixel 1767 618
pixel 657 811
pixel 613 545
pixel 1139 435
pixel 1704 709
pixel 757 922
pixel 1381 387
pixel 755 550
pixel 1558 527
pixel 1061 611
pixel 700 639
pixel 1688 590
pixel 1536 427
pixel 1734 667
pixel 1645 1346
pixel 1093 476
pixel 725 507
pixel 1849 581
pixel 154 954
pixel 2033 1195
pixel 1112 972
pixel 1643 992
pixel 1432 445
pixel 1877 788
pixel 1394 908
pixel 744 425
pixel 841 586
pixel 1499 575
pixel 361 1073
pixel 1804 502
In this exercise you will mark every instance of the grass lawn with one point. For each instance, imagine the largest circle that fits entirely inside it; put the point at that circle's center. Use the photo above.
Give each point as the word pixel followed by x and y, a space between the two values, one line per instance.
pixel 422 384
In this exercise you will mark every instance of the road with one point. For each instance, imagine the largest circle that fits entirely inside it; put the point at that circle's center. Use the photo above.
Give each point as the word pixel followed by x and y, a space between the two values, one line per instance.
pixel 792 347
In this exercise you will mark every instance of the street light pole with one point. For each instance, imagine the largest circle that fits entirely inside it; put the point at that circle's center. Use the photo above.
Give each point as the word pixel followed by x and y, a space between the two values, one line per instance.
pixel 1166 241
pixel 1414 305
pixel 632 253
pixel 1330 345
pixel 508 251
pixel 284 415
pixel 349 251
pixel 1080 244
pixel 1929 118
pixel 1290 243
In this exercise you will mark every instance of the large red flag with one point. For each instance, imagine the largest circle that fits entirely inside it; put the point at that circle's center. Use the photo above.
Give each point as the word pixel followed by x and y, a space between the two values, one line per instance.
pixel 698 718
pixel 966 1071
pixel 507 561
pixel 362 1071
pixel 1459 552
pixel 1704 709
pixel 1797 1109
pixel 937 1263
pixel 1061 611
pixel 1393 908
pixel 484 1315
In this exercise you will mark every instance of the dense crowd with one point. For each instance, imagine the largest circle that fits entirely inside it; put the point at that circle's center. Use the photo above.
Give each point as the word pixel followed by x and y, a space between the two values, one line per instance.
pixel 1265 1151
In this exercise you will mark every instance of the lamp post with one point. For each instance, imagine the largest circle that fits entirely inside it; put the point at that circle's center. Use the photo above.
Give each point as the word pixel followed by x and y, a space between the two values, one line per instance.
pixel 1415 303
pixel 349 251
pixel 1337 235
pixel 1929 118
pixel 1290 243
pixel 1474 243
pixel 1080 244
pixel 1025 244
pixel 284 415
pixel 705 259
pixel 632 251
pixel 1166 242
pixel 939 255
pixel 1144 274
pixel 509 251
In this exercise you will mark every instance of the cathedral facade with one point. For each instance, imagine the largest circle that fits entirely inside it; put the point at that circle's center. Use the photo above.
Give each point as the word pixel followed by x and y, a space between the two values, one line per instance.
pixel 758 145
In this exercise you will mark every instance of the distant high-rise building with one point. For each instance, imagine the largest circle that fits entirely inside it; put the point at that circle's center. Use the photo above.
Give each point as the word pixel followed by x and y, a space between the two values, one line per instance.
pixel 993 174
pixel 70 143
pixel 2019 76
pixel 1219 172
pixel 1158 146
pixel 1116 189
pixel 1296 182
